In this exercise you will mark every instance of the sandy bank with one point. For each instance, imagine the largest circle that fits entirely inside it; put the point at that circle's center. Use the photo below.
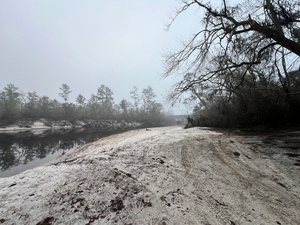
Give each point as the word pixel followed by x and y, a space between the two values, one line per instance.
pixel 41 125
pixel 158 176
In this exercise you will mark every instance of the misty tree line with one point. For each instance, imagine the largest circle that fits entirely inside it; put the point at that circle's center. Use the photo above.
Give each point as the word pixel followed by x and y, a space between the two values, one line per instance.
pixel 143 106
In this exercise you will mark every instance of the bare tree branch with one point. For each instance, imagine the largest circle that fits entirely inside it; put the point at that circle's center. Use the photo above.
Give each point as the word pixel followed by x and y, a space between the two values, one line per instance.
pixel 230 41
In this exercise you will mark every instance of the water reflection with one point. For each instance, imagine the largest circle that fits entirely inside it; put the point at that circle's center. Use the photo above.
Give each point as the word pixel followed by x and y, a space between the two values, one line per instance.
pixel 25 150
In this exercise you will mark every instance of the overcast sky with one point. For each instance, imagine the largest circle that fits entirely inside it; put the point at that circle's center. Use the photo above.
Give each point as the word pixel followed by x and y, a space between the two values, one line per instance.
pixel 86 43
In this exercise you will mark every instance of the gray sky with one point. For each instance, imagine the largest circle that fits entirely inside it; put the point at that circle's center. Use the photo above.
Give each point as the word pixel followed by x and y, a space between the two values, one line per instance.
pixel 86 43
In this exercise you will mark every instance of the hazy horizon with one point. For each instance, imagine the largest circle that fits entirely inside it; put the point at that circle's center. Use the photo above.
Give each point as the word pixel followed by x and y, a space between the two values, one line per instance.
pixel 88 43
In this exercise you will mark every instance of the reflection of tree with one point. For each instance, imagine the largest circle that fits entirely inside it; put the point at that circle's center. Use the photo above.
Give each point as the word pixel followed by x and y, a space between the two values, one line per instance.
pixel 7 155
pixel 23 148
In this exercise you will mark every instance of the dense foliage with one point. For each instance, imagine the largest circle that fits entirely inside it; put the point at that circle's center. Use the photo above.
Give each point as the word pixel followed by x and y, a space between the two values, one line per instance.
pixel 253 103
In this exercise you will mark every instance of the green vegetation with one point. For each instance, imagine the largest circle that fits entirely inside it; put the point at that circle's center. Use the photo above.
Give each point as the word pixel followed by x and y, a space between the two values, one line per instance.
pixel 242 68
pixel 100 106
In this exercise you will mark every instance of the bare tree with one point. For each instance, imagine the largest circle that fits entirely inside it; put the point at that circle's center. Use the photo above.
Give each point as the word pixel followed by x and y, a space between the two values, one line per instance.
pixel 237 38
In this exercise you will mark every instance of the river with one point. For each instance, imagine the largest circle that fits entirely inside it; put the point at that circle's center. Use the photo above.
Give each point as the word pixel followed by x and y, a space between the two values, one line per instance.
pixel 25 150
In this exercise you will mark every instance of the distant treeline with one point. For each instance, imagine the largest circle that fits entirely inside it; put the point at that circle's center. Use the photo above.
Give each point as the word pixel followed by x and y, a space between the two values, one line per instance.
pixel 143 107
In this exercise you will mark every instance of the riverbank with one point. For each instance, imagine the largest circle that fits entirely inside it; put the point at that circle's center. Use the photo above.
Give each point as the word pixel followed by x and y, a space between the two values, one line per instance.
pixel 34 125
pixel 159 176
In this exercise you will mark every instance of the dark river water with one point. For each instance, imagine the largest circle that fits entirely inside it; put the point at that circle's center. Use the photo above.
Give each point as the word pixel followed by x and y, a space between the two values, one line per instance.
pixel 25 150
